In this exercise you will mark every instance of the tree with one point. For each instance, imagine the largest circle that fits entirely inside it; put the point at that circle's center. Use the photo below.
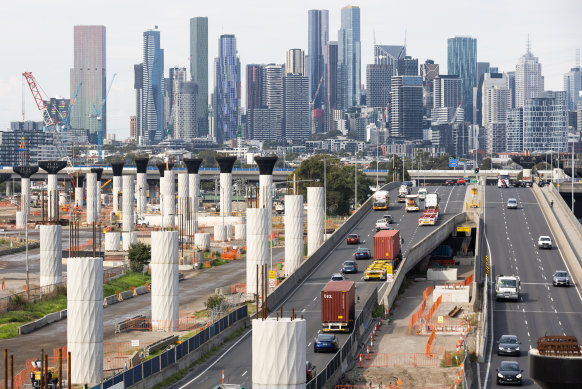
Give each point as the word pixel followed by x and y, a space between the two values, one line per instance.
pixel 139 255
pixel 208 158
pixel 214 301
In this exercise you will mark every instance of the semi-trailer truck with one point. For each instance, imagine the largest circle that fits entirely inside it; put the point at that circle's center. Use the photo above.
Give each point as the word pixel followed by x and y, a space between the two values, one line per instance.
pixel 338 306
pixel 387 255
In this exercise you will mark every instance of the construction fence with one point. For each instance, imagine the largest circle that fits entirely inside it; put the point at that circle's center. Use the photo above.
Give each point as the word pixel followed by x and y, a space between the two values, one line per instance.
pixel 416 316
pixel 145 369
pixel 22 379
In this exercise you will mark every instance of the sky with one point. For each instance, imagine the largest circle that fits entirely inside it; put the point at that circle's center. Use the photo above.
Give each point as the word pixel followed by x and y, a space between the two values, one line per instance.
pixel 38 37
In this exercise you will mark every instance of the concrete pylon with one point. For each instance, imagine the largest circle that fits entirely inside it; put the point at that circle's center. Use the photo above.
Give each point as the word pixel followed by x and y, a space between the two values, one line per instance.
pixel 257 245
pixel 183 202
pixel 293 233
pixel 193 166
pixel 52 168
pixel 117 168
pixel 164 265
pixel 99 172
pixel 78 180
pixel 128 194
pixel 51 254
pixel 266 166
pixel 315 218
pixel 25 172
pixel 91 193
pixel 226 164
pixel 141 185
pixel 167 194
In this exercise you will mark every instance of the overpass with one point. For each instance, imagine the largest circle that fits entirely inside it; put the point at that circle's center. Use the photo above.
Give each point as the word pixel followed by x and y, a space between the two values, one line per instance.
pixel 440 176
pixel 236 361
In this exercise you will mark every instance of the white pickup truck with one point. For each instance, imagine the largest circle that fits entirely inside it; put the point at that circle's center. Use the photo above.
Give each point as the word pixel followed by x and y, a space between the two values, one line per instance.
pixel 382 224
pixel 507 287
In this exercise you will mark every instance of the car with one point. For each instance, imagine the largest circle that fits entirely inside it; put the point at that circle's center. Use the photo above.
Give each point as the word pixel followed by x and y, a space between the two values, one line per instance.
pixel 509 372
pixel 382 224
pixel 407 183
pixel 512 203
pixel 326 343
pixel 310 372
pixel 544 242
pixel 363 253
pixel 142 222
pixel 561 278
pixel 508 345
pixel 461 181
pixel 350 267
pixel 389 219
pixel 337 277
pixel 450 182
pixel 353 239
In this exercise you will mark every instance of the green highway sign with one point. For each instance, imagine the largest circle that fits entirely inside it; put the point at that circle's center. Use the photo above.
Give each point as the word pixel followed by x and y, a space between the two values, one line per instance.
pixel 474 181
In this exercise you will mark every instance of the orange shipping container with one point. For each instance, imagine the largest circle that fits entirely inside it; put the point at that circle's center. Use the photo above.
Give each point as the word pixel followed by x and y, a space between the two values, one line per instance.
pixel 338 306
pixel 387 244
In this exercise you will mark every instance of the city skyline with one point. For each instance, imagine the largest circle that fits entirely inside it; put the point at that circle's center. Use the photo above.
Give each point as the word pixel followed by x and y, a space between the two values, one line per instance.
pixel 553 42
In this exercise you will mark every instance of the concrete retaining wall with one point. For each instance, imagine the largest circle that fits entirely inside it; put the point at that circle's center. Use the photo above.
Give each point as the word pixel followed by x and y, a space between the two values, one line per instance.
pixel 458 295
pixel 441 274
pixel 43 321
pixel 290 283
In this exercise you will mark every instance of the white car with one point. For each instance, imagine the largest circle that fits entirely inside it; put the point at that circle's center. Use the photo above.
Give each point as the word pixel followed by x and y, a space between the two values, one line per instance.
pixel 382 224
pixel 512 204
pixel 544 242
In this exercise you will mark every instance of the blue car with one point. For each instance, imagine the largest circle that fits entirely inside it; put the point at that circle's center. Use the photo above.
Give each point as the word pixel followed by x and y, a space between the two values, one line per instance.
pixel 326 343
pixel 350 267
pixel 362 253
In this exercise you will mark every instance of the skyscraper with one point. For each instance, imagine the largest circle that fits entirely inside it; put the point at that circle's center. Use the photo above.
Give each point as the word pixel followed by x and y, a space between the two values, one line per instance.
pixel 255 86
pixel 495 98
pixel 545 123
pixel 514 132
pixel 573 86
pixel 378 81
pixel 529 82
pixel 133 127
pixel 462 61
pixel 408 66
pixel 138 86
pixel 349 54
pixel 274 96
pixel 331 87
pixel 511 86
pixel 227 90
pixel 89 69
pixel 152 105
pixel 295 62
pixel 296 107
pixel 185 119
pixel 389 55
pixel 318 37
pixel 199 68
pixel 447 91
pixel 406 114
pixel 176 75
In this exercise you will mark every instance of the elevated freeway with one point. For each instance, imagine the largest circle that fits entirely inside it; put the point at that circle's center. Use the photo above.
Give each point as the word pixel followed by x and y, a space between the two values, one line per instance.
pixel 511 239
pixel 236 360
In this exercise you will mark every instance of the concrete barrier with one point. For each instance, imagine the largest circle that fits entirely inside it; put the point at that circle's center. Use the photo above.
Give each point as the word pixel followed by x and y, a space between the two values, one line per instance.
pixel 277 296
pixel 141 290
pixel 126 295
pixel 441 274
pixel 160 344
pixel 457 295
pixel 110 300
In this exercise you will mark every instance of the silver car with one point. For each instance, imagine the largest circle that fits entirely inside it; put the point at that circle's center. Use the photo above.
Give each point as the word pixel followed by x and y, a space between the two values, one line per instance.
pixel 512 203
pixel 561 278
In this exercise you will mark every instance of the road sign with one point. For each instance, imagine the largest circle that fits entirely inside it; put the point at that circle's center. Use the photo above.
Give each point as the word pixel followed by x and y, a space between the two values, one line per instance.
pixel 474 181
pixel 271 274
pixel 135 343
pixel 390 277
pixel 463 229
pixel 453 162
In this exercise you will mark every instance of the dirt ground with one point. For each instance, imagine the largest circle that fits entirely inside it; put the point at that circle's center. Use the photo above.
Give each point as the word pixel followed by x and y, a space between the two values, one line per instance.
pixel 417 378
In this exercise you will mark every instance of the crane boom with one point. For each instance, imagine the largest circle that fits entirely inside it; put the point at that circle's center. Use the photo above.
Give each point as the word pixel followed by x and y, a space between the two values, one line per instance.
pixel 32 84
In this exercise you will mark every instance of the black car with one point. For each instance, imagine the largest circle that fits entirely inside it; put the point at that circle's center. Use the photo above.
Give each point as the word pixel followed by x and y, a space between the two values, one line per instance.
pixel 388 219
pixel 509 372
pixel 326 343
pixel 450 182
pixel 508 345
pixel 362 253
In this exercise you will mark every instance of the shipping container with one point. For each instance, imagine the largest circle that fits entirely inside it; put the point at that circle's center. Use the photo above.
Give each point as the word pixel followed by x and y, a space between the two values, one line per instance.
pixel 387 244
pixel 338 306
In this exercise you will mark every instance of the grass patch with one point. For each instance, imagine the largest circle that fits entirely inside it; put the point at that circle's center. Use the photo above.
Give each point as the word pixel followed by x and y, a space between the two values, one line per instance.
pixel 22 312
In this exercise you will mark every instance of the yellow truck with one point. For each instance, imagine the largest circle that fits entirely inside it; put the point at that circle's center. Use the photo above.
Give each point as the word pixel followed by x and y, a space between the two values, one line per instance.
pixel 379 270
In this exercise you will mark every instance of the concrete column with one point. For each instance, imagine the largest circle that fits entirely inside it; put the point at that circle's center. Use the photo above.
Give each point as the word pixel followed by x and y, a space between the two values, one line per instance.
pixel 193 166
pixel 8 188
pixel 279 354
pixel 141 185
pixel 293 233
pixel 20 220
pixel 127 211
pixel 99 172
pixel 202 240
pixel 164 265
pixel 257 245
pixel 51 254
pixel 266 165
pixel 315 216
pixel 25 194
pixel 53 197
pixel 183 200
pixel 226 164
pixel 112 241
pixel 85 319
pixel 168 196
pixel 91 197
pixel 79 197
pixel 117 168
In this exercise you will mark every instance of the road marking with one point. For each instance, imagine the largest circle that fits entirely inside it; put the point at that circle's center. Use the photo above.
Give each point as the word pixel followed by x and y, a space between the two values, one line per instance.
pixel 528 335
pixel 526 322
pixel 315 298
pixel 308 344
pixel 534 311
pixel 303 310
pixel 560 323
pixel 243 374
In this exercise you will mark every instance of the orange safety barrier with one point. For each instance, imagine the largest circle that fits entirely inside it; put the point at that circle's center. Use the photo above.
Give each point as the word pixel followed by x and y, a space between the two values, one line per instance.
pixel 431 339
pixel 469 279
pixel 22 379
pixel 121 348
pixel 445 324
pixel 434 307
pixel 238 288
pixel 411 360
pixel 418 314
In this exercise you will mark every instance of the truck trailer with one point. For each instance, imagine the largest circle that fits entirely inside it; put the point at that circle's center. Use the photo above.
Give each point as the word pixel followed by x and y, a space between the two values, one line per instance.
pixel 338 306
pixel 431 210
pixel 387 255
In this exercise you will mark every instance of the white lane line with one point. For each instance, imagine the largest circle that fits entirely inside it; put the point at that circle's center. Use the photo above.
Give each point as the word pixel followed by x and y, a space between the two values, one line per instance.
pixel 243 374
pixel 303 310
pixel 315 298
pixel 308 344
pixel 528 335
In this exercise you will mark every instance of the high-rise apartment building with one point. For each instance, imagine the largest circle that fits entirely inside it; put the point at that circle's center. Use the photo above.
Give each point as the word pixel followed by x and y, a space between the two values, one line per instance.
pixel 89 70
pixel 185 114
pixel 295 62
pixel 389 55
pixel 331 85
pixel 462 61
pixel 545 123
pixel 511 85
pixel 496 104
pixel 579 113
pixel 378 81
pixel 406 101
pixel 133 127
pixel 349 54
pixel 514 134
pixel 199 69
pixel 447 91
pixel 495 98
pixel 529 82
pixel 176 75
pixel 573 86
pixel 296 107
pixel 428 71
pixel 226 90
pixel 138 86
pixel 255 79
pixel 274 96
pixel 152 104
pixel 408 66
pixel 318 37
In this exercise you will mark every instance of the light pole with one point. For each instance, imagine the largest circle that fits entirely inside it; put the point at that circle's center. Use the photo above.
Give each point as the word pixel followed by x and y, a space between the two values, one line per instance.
pixel 572 177
pixel 356 186
pixel 325 199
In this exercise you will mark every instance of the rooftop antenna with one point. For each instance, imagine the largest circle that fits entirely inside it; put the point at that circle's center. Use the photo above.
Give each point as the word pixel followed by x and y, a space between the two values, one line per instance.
pixel 528 43
pixel 405 38
pixel 577 59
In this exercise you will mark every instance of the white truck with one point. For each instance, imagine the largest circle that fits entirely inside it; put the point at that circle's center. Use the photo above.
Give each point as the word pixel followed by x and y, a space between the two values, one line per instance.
pixel 382 224
pixel 422 192
pixel 507 287
pixel 411 203
pixel 526 178
pixel 402 193
pixel 503 179
pixel 431 210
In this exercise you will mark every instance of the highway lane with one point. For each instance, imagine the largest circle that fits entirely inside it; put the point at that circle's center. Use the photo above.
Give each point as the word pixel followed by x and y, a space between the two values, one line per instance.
pixel 542 309
pixel 236 360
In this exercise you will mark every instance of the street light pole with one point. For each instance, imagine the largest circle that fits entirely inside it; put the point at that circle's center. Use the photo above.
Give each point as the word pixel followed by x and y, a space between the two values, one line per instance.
pixel 356 187
pixel 572 177
pixel 325 198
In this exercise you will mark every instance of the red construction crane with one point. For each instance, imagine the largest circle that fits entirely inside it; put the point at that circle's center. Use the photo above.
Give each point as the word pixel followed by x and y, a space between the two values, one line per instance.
pixel 33 85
